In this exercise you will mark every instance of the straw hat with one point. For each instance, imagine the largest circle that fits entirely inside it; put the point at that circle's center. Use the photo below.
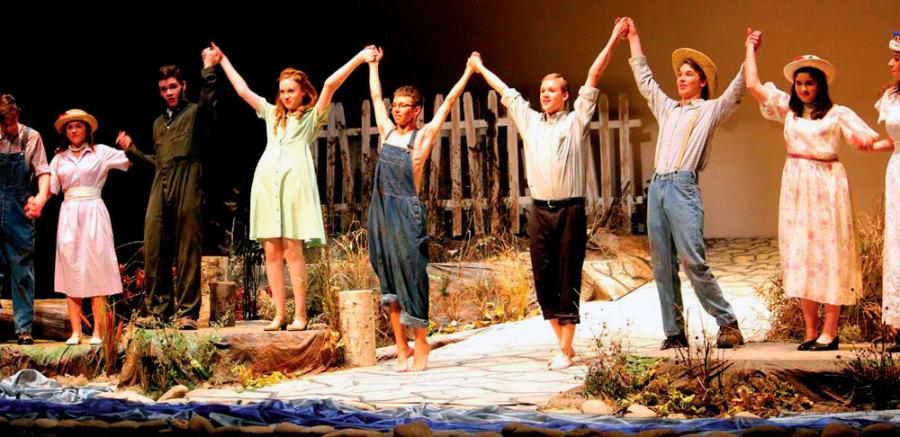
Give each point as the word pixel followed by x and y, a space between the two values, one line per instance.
pixel 894 43
pixel 708 66
pixel 809 61
pixel 75 115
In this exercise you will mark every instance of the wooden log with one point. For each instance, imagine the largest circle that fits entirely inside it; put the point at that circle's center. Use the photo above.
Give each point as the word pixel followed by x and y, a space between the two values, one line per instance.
pixel 475 158
pixel 494 167
pixel 626 157
pixel 607 165
pixel 456 169
pixel 512 152
pixel 346 167
pixel 331 131
pixel 51 318
pixel 434 182
pixel 357 314
pixel 221 302
pixel 367 162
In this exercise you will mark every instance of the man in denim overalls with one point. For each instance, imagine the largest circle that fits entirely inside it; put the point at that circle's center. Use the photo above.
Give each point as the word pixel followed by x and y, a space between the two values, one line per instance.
pixel 22 155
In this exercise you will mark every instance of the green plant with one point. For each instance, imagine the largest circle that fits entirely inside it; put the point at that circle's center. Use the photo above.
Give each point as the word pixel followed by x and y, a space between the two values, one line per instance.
pixel 874 375
pixel 167 357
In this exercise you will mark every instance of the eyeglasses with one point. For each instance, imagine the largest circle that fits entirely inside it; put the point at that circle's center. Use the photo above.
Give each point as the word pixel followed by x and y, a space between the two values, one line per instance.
pixel 403 105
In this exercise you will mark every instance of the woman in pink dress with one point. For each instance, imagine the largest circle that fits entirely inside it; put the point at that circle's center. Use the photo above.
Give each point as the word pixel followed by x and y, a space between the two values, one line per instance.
pixel 86 264
pixel 820 260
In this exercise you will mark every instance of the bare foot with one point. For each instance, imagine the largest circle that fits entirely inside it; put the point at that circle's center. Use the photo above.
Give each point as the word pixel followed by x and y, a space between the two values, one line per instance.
pixel 420 356
pixel 559 362
pixel 402 357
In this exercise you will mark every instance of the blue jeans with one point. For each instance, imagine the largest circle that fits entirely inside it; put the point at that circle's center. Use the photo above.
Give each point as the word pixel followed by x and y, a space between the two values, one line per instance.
pixel 17 239
pixel 675 226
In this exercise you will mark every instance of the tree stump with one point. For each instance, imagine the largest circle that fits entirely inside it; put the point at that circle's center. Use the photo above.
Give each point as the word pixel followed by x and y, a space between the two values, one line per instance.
pixel 221 302
pixel 357 309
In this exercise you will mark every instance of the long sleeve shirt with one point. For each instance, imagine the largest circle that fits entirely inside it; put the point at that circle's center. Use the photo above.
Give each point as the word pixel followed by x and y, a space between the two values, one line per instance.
pixel 685 130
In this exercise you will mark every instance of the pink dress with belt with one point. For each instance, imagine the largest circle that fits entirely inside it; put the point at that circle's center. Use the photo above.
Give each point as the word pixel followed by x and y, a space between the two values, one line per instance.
pixel 86 263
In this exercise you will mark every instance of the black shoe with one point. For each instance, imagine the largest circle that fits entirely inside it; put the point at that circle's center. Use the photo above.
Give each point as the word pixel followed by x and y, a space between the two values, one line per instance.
pixel 805 345
pixel 25 338
pixel 833 346
pixel 674 341
pixel 729 336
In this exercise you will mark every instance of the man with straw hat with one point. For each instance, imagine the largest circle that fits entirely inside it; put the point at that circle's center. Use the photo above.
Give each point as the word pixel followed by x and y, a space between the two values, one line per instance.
pixel 22 155
pixel 173 226
pixel 675 209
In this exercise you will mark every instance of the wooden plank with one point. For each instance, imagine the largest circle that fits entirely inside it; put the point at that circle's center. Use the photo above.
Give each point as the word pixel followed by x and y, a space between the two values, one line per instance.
pixel 434 181
pixel 475 159
pixel 456 168
pixel 346 166
pixel 607 166
pixel 329 167
pixel 512 152
pixel 366 158
pixel 625 157
pixel 494 165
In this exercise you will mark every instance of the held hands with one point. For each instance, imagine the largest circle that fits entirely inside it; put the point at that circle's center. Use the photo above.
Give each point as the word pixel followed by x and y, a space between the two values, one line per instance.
pixel 124 140
pixel 34 206
pixel 622 28
pixel 370 54
pixel 211 55
pixel 474 62
pixel 754 37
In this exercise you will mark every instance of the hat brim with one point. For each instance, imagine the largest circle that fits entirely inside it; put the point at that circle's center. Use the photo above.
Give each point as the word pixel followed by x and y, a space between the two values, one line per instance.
pixel 84 118
pixel 819 64
pixel 705 62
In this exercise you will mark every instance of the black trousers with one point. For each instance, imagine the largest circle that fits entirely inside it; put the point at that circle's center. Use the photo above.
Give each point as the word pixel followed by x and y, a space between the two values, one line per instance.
pixel 558 240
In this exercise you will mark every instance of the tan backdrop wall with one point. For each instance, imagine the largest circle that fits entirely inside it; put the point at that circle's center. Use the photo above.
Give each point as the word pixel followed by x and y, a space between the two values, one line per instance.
pixel 523 40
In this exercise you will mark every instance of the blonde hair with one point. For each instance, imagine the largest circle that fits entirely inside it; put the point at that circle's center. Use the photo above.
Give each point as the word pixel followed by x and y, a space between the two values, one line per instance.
pixel 565 83
pixel 310 96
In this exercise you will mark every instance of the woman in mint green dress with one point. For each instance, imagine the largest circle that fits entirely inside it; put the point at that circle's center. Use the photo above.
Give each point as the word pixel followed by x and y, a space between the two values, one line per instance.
pixel 284 202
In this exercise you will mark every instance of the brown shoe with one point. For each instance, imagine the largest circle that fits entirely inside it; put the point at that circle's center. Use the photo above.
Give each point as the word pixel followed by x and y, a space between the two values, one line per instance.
pixel 187 324
pixel 729 336
pixel 674 341
pixel 24 338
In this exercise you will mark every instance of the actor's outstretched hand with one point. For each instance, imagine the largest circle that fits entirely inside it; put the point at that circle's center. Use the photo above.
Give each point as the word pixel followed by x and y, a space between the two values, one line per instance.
pixel 211 56
pixel 124 140
pixel 34 206
pixel 754 37
pixel 632 29
pixel 621 28
pixel 369 54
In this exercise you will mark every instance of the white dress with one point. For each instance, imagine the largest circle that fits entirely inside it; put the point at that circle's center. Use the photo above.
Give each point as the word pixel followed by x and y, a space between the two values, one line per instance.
pixel 86 262
pixel 888 107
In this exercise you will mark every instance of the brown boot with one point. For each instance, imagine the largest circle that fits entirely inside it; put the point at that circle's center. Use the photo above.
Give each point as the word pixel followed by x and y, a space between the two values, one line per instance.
pixel 729 336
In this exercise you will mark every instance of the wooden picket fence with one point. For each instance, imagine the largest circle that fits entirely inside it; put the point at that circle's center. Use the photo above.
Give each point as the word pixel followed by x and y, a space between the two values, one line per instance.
pixel 466 184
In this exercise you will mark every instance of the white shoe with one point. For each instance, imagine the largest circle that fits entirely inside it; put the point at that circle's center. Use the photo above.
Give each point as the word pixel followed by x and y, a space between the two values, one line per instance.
pixel 96 341
pixel 74 339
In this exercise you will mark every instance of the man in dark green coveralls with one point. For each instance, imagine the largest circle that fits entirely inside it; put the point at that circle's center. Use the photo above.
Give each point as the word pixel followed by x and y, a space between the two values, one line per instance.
pixel 172 229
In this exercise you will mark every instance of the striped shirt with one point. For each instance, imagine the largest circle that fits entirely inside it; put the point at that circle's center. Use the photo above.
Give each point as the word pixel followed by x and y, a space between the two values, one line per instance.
pixel 554 155
pixel 28 142
pixel 685 131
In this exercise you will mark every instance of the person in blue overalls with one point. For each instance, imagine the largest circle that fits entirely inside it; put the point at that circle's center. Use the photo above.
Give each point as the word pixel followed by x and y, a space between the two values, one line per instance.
pixel 22 155
pixel 398 238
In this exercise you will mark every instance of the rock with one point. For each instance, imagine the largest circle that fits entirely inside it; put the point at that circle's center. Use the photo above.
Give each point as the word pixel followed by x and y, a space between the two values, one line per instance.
pixel 151 426
pixel 179 425
pixel 415 429
pixel 766 431
pixel 200 424
pixel 176 392
pixel 878 429
pixel 661 432
pixel 258 429
pixel 597 407
pixel 123 426
pixel 521 429
pixel 805 432
pixel 320 430
pixel 46 423
pixel 22 423
pixel 127 395
pixel 639 411
pixel 288 428
pixel 747 415
pixel 611 279
pixel 92 426
pixel 838 430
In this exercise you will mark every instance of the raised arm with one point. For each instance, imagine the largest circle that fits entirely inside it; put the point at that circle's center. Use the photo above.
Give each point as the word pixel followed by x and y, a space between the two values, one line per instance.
pixel 492 80
pixel 240 86
pixel 209 91
pixel 751 73
pixel 382 118
pixel 434 126
pixel 634 40
pixel 338 77
pixel 657 100
pixel 620 30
